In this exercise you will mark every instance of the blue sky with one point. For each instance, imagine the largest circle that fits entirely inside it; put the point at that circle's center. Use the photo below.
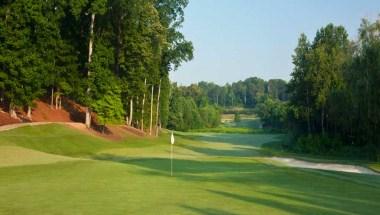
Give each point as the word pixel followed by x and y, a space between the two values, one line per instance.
pixel 237 39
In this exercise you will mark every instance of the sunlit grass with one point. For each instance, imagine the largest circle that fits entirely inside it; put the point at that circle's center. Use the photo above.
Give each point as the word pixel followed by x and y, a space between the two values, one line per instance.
pixel 213 174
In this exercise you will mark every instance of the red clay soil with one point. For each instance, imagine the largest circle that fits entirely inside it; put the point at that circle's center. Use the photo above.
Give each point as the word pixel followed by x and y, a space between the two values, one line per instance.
pixel 134 131
pixel 5 119
pixel 43 113
pixel 70 112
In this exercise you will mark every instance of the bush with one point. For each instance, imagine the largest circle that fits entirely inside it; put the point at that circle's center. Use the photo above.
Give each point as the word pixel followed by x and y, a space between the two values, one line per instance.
pixel 237 117
pixel 318 145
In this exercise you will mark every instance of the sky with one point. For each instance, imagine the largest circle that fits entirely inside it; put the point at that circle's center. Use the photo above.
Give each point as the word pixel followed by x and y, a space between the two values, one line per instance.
pixel 237 39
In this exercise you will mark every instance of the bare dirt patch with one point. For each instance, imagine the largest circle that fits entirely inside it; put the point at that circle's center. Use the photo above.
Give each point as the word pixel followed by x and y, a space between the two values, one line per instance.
pixel 5 119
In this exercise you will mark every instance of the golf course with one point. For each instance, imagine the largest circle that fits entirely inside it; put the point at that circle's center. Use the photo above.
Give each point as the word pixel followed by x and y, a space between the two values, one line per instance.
pixel 57 169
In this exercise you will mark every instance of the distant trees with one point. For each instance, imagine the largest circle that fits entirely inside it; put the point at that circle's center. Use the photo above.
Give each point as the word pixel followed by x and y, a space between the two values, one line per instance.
pixel 247 93
pixel 273 113
pixel 91 51
pixel 186 113
pixel 333 90
pixel 200 105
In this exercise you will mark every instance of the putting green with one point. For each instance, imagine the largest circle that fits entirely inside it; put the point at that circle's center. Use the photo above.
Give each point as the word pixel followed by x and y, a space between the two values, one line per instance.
pixel 221 176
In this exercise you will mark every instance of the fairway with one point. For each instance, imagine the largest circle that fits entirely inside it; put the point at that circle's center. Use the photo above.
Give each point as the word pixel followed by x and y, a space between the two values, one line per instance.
pixel 213 174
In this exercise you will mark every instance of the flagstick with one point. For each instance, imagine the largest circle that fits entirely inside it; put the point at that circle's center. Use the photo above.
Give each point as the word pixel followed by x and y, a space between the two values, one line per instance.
pixel 172 140
pixel 171 160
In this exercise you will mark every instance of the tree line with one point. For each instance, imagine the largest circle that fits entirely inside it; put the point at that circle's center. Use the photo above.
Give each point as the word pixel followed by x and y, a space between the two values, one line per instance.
pixel 201 105
pixel 112 56
pixel 247 93
pixel 334 92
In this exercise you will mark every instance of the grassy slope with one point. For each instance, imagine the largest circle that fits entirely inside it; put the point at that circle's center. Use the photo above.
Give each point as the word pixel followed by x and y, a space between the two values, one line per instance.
pixel 224 175
pixel 56 139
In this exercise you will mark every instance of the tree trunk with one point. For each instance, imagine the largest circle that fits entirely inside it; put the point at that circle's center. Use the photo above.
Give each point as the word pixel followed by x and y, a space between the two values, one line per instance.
pixel 52 98
pixel 130 112
pixel 323 120
pixel 142 109
pixel 12 111
pixel 56 101
pixel 308 112
pixel 90 50
pixel 151 112
pixel 158 108
pixel 29 113
pixel 60 102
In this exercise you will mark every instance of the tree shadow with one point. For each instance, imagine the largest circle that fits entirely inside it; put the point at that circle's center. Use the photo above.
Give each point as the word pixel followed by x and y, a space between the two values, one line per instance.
pixel 281 205
pixel 307 191
pixel 184 167
pixel 327 201
pixel 252 140
pixel 207 211
pixel 76 112
pixel 234 152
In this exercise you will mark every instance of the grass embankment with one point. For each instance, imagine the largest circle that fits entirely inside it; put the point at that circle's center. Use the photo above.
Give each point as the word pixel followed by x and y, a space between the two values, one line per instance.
pixel 213 174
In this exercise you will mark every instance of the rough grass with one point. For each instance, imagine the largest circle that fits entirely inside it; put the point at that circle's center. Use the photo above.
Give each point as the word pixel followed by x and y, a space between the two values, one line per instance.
pixel 374 166
pixel 224 175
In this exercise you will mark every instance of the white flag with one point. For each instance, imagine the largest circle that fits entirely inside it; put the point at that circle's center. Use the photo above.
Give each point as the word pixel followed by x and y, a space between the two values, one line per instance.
pixel 172 138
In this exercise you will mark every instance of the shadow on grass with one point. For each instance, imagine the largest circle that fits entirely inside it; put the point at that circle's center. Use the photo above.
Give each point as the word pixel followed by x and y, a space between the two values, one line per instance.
pixel 232 152
pixel 207 211
pixel 290 190
pixel 300 208
pixel 253 140
pixel 184 167
pixel 339 203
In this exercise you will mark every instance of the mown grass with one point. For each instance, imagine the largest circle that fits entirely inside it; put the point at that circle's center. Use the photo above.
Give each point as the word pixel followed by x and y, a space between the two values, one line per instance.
pixel 244 126
pixel 213 174
pixel 56 139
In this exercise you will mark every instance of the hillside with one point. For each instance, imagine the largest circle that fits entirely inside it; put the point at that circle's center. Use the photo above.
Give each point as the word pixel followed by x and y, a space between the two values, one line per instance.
pixel 43 112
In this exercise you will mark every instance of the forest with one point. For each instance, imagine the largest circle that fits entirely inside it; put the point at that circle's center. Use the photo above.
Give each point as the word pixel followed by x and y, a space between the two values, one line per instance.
pixel 111 56
pixel 334 105
pixel 200 105
pixel 114 58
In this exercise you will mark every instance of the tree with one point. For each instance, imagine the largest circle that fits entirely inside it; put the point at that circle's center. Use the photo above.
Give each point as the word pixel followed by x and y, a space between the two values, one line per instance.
pixel 300 85
pixel 176 50
pixel 330 48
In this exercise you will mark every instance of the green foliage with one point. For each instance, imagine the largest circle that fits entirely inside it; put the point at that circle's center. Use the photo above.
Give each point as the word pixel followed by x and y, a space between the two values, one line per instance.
pixel 237 117
pixel 45 46
pixel 109 107
pixel 334 90
pixel 273 113
pixel 318 145
pixel 186 114
pixel 247 93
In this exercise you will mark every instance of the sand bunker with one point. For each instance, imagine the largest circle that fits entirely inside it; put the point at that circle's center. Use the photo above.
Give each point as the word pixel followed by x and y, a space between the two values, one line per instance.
pixel 291 162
